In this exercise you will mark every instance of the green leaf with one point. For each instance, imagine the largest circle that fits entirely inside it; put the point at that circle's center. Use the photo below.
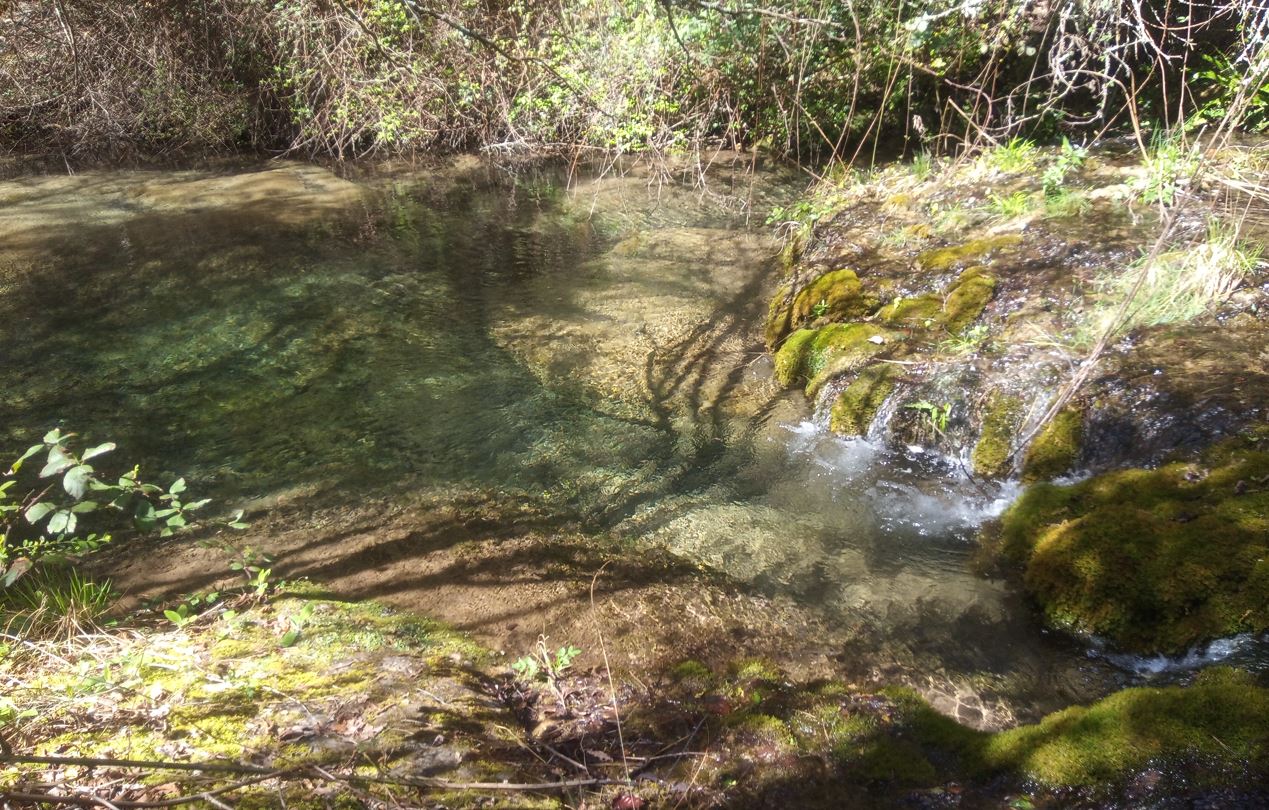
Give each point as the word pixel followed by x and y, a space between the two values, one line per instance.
pixel 143 515
pixel 32 450
pixel 290 637
pixel 190 507
pixel 38 511
pixel 20 566
pixel 58 461
pixel 178 486
pixel 53 436
pixel 75 482
pixel 84 506
pixel 174 617
pixel 98 450
pixel 62 522
pixel 176 521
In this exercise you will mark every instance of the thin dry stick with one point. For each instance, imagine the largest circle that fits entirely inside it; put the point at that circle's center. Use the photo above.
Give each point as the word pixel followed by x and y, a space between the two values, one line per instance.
pixel 612 689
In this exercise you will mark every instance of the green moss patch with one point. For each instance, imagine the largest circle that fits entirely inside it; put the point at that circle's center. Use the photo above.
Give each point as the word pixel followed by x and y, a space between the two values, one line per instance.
pixel 976 251
pixel 835 296
pixel 967 300
pixel 952 312
pixel 1156 560
pixel 1056 448
pixel 833 349
pixel 920 311
pixel 855 407
pixel 1221 723
pixel 1001 418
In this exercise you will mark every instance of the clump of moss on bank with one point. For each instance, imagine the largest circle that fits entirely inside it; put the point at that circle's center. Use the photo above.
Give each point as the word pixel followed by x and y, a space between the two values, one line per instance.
pixel 835 296
pixel 1212 733
pixel 973 252
pixel 833 349
pixel 855 407
pixel 1155 560
pixel 1217 728
pixel 952 312
pixel 967 300
pixel 1056 448
pixel 1001 418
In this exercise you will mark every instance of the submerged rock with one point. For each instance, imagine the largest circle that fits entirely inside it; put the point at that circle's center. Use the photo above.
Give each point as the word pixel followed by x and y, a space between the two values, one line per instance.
pixel 1154 560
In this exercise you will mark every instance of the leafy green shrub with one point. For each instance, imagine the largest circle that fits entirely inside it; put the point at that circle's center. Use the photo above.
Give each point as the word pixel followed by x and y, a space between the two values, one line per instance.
pixel 47 519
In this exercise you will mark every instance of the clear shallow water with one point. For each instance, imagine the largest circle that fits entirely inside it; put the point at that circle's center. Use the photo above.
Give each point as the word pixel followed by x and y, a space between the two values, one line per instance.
pixel 590 348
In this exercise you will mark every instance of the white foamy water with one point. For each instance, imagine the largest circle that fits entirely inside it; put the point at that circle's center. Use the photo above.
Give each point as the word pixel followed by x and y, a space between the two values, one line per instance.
pixel 1215 652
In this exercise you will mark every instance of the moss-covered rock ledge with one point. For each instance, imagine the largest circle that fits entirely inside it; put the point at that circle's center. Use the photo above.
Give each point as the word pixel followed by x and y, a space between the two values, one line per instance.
pixel 404 710
pixel 1153 560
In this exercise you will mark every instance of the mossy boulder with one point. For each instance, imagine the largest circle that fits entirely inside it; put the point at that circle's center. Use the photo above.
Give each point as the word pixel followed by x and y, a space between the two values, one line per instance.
pixel 973 252
pixel 1156 560
pixel 855 407
pixel 1215 731
pixel 1056 448
pixel 813 354
pixel 1002 416
pixel 918 311
pixel 1220 723
pixel 835 296
pixel 960 307
pixel 967 299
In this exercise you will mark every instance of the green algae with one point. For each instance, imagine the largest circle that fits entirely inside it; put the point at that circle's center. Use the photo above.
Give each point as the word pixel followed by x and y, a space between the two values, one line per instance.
pixel 1056 448
pixel 1001 418
pixel 967 300
pixel 1155 560
pixel 833 349
pixel 1221 721
pixel 976 251
pixel 962 305
pixel 855 407
pixel 916 311
pixel 835 296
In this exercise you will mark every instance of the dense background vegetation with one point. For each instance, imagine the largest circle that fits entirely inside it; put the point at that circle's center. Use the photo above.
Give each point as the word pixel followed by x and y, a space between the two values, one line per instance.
pixel 814 78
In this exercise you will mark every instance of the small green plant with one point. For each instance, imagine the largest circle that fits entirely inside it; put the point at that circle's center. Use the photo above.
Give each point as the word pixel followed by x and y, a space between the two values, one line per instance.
pixel 820 309
pixel 181 616
pixel 1219 83
pixel 55 600
pixel 1168 166
pixel 297 623
pixel 1179 285
pixel 1015 205
pixel 46 520
pixel 1014 157
pixel 966 342
pixel 952 217
pixel 922 165
pixel 1066 203
pixel 542 664
pixel 935 417
pixel 1069 158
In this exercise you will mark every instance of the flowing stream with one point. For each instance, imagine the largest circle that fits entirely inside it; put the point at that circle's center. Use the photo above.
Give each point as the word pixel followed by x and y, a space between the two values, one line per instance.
pixel 587 343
